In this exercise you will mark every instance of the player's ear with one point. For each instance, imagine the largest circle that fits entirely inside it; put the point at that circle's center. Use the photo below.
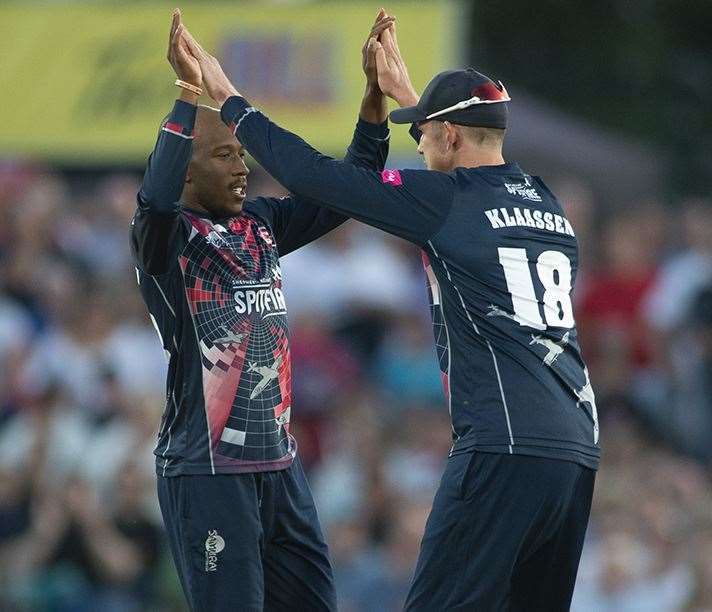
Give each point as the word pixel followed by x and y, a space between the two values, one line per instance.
pixel 452 137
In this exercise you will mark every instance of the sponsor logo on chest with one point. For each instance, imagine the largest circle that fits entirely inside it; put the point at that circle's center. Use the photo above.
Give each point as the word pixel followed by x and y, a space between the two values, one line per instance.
pixel 260 298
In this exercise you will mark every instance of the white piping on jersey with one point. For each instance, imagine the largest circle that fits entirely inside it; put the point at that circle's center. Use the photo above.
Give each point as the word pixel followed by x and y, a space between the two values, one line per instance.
pixel 477 331
pixel 248 110
pixel 501 391
pixel 170 131
pixel 165 299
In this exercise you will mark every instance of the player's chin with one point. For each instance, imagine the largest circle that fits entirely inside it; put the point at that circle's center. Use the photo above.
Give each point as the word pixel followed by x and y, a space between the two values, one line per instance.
pixel 234 204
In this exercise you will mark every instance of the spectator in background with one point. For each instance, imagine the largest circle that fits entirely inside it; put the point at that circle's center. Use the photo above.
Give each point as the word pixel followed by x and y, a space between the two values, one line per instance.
pixel 701 597
pixel 686 409
pixel 77 556
pixel 386 588
pixel 379 285
pixel 615 338
pixel 405 366
pixel 578 203
pixel 685 273
pixel 65 548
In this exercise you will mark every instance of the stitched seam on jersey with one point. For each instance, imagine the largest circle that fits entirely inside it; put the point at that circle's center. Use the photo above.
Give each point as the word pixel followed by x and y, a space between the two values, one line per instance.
pixel 477 331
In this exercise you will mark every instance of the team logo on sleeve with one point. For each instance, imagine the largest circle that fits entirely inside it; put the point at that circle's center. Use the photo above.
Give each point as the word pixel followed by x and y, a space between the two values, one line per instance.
pixel 391 177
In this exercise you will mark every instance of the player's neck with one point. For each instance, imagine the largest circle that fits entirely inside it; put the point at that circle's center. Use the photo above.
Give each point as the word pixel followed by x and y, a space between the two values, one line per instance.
pixel 474 157
pixel 189 200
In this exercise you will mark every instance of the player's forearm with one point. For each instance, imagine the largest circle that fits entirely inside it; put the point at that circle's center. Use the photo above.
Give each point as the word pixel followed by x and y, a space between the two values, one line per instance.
pixel 366 195
pixel 284 155
pixel 168 164
pixel 369 146
pixel 307 220
pixel 407 96
pixel 374 106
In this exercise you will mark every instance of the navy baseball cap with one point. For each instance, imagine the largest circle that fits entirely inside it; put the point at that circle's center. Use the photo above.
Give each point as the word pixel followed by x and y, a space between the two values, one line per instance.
pixel 465 97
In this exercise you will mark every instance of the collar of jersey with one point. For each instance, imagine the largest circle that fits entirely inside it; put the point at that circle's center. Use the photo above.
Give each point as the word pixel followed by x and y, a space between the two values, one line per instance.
pixel 506 168
pixel 203 215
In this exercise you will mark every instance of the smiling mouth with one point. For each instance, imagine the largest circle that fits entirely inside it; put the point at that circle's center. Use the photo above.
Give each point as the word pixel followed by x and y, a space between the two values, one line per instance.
pixel 238 190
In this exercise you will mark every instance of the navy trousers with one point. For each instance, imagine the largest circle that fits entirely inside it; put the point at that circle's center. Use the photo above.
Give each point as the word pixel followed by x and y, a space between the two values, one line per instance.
pixel 247 542
pixel 505 533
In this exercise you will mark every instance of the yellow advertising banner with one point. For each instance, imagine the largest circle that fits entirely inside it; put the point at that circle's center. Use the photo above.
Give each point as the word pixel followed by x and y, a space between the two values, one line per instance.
pixel 90 83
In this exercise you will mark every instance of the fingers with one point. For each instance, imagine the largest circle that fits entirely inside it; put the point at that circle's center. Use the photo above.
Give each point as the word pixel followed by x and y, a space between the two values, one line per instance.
pixel 390 46
pixel 394 36
pixel 386 39
pixel 380 57
pixel 175 40
pixel 195 49
pixel 380 16
pixel 381 26
pixel 371 53
pixel 175 20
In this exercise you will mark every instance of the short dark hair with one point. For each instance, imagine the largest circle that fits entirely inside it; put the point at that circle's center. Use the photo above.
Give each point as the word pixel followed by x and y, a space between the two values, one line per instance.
pixel 483 135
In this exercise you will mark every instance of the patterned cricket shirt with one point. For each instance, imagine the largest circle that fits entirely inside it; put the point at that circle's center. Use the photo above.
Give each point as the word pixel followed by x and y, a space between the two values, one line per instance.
pixel 501 261
pixel 213 289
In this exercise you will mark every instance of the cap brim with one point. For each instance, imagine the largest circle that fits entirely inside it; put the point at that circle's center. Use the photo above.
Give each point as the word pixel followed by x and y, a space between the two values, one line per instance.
pixel 407 114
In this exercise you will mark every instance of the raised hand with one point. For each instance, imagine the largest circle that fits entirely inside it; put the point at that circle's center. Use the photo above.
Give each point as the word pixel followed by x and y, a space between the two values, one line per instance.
pixel 368 51
pixel 184 64
pixel 215 80
pixel 393 78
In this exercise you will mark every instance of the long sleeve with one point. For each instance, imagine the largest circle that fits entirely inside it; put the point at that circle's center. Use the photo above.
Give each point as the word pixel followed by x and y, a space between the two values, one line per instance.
pixel 297 220
pixel 412 204
pixel 157 234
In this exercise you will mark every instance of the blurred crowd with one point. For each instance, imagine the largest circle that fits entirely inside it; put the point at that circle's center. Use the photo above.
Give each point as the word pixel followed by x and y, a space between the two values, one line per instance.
pixel 82 379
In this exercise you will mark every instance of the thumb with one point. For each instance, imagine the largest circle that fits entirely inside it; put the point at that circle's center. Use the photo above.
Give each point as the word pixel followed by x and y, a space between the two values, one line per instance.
pixel 371 49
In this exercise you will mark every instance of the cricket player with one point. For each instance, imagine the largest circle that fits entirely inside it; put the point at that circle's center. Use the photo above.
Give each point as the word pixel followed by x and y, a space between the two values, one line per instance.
pixel 509 517
pixel 240 517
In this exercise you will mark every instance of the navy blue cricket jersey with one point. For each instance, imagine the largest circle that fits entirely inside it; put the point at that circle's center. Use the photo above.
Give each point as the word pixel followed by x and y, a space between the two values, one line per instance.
pixel 213 288
pixel 501 261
